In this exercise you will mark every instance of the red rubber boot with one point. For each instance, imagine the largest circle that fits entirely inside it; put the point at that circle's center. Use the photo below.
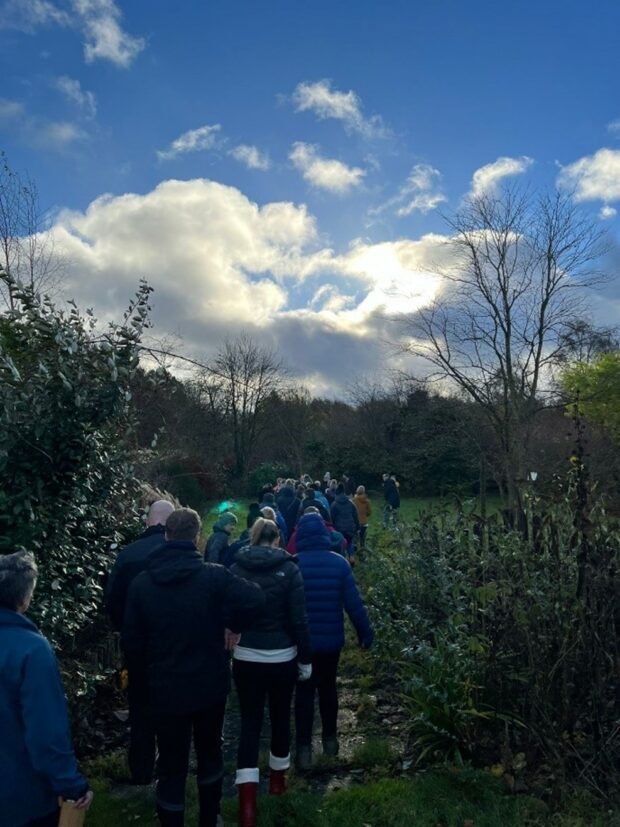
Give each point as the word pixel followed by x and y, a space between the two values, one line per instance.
pixel 277 782
pixel 247 804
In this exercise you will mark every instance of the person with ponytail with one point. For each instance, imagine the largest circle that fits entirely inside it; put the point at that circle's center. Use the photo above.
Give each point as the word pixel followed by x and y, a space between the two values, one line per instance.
pixel 273 653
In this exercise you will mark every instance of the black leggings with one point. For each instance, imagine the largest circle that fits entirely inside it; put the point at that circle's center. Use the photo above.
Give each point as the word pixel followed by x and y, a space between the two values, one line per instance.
pixel 323 681
pixel 255 682
pixel 50 820
pixel 174 738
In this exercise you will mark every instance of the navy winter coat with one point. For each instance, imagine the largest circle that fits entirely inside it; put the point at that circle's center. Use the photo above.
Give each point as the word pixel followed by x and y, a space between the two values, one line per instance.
pixel 289 505
pixel 330 588
pixel 391 493
pixel 344 516
pixel 37 763
pixel 129 562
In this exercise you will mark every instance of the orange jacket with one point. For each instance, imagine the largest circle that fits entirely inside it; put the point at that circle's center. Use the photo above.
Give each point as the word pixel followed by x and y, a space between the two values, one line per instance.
pixel 364 508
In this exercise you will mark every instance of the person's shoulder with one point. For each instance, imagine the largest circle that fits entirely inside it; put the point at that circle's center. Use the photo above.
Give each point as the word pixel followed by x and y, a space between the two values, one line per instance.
pixel 37 647
pixel 142 544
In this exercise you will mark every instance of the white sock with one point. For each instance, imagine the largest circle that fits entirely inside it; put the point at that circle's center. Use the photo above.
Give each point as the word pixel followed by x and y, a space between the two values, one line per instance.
pixel 247 776
pixel 276 763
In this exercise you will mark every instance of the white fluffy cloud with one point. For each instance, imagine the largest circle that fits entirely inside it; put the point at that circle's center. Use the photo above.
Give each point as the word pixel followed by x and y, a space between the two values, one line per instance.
pixel 325 173
pixel 105 39
pixel 325 102
pixel 594 177
pixel 607 212
pixel 420 193
pixel 98 21
pixel 195 140
pixel 251 156
pixel 220 264
pixel 486 180
pixel 72 90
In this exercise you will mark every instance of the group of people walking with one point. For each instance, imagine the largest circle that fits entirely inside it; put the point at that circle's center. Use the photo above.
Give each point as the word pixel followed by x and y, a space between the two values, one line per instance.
pixel 272 602
pixel 279 617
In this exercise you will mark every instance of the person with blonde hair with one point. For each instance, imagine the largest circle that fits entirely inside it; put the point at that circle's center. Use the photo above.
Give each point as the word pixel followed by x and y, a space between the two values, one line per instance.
pixel 272 654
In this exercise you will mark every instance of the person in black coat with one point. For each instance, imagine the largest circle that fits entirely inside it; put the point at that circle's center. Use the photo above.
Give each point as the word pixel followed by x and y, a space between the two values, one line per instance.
pixel 289 505
pixel 173 639
pixel 274 650
pixel 344 516
pixel 130 562
pixel 391 495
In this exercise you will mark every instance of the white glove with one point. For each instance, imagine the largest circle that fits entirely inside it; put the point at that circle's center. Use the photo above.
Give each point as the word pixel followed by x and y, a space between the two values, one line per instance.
pixel 304 671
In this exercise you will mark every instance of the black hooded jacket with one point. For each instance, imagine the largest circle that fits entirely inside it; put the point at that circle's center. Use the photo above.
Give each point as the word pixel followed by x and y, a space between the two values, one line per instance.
pixel 391 493
pixel 289 506
pixel 130 561
pixel 344 516
pixel 173 634
pixel 283 622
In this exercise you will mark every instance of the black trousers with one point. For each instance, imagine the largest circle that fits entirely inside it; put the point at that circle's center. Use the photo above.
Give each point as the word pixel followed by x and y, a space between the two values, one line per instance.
pixel 142 748
pixel 323 681
pixel 50 820
pixel 174 738
pixel 256 682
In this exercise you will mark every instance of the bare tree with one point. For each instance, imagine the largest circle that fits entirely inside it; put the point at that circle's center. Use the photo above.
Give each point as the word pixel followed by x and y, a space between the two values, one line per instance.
pixel 246 374
pixel 495 330
pixel 26 246
pixel 581 341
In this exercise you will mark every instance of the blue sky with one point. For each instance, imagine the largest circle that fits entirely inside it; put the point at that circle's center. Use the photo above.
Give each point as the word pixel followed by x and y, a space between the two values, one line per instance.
pixel 368 118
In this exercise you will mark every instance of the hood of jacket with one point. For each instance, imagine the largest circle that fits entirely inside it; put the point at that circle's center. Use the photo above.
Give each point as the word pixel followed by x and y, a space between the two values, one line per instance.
pixel 342 498
pixel 312 534
pixel 261 558
pixel 11 618
pixel 175 561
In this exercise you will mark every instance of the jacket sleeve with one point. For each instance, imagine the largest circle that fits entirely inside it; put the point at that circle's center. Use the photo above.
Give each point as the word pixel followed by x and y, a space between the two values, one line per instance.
pixel 356 517
pixel 298 617
pixel 215 546
pixel 134 639
pixel 241 599
pixel 354 606
pixel 46 724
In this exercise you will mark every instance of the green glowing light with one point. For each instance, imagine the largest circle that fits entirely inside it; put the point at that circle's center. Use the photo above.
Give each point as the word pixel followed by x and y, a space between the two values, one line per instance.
pixel 226 505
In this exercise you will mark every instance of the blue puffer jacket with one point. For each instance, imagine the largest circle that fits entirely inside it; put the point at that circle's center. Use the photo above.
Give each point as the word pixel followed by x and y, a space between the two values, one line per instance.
pixel 37 763
pixel 330 588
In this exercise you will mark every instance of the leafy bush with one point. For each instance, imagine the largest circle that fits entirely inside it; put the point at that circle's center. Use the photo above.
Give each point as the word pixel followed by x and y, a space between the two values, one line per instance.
pixel 67 489
pixel 506 642
pixel 265 474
